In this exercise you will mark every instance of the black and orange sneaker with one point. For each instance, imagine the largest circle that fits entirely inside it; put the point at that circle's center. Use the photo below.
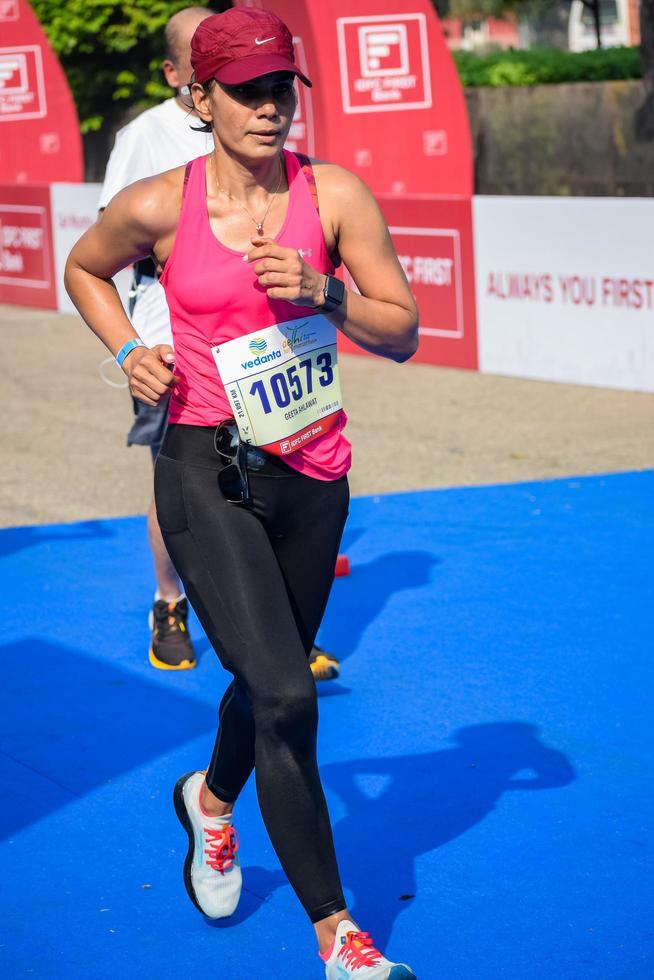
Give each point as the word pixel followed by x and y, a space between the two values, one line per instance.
pixel 171 647
pixel 324 666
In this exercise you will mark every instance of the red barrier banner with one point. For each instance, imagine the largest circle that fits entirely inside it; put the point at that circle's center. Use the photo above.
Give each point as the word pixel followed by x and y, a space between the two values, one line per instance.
pixel 26 252
pixel 39 130
pixel 433 240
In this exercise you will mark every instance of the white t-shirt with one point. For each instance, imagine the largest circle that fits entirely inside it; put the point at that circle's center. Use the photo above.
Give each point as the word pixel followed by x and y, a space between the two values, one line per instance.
pixel 159 139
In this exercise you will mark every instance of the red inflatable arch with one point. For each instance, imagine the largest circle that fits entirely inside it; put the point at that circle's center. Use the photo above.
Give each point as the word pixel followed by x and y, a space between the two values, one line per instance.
pixel 39 131
pixel 387 103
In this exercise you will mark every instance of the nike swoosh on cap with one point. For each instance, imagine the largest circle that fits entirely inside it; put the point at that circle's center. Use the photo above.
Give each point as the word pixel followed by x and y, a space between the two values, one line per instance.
pixel 257 41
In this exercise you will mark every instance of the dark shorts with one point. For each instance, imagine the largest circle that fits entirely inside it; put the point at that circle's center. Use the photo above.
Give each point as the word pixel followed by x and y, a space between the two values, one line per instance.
pixel 149 426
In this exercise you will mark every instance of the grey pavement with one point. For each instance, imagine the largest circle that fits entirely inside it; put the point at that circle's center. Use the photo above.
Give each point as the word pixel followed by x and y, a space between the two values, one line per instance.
pixel 412 426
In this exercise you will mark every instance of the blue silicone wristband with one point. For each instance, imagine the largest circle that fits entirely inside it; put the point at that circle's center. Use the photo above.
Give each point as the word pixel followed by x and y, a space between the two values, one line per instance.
pixel 127 348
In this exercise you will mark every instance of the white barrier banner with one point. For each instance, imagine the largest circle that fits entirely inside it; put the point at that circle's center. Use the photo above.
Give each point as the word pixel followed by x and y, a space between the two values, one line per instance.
pixel 74 209
pixel 565 289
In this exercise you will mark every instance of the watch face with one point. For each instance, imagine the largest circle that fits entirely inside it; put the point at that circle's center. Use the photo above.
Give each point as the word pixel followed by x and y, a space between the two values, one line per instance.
pixel 334 291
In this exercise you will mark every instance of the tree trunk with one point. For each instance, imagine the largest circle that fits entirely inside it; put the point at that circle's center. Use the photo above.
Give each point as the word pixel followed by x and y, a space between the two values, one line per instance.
pixel 598 26
pixel 594 7
pixel 645 115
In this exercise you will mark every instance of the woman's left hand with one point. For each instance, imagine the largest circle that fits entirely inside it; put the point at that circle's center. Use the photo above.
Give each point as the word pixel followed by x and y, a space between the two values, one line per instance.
pixel 284 274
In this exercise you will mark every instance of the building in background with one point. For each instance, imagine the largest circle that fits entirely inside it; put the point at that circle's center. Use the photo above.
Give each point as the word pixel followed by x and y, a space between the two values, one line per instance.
pixel 475 35
pixel 566 25
pixel 619 23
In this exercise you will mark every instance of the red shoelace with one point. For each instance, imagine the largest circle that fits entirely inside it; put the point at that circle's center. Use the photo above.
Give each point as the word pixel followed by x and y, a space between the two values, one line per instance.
pixel 222 847
pixel 359 950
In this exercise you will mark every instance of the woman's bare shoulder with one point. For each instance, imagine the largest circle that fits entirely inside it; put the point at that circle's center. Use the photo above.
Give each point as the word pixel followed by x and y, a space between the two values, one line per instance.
pixel 337 181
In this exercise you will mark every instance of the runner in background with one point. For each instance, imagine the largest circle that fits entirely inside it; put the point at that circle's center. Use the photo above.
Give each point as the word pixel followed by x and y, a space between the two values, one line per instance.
pixel 159 139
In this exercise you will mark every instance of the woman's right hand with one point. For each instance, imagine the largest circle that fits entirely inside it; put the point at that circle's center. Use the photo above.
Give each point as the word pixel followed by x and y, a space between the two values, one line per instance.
pixel 149 373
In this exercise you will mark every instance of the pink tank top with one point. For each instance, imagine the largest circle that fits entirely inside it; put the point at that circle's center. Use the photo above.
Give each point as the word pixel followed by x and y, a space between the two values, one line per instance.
pixel 213 296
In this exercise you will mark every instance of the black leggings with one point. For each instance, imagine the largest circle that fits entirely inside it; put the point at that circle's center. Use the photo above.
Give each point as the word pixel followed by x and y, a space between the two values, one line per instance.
pixel 259 578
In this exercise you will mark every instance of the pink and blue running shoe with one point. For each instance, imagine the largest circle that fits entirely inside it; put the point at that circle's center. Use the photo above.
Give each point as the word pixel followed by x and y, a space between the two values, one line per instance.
pixel 354 957
pixel 212 872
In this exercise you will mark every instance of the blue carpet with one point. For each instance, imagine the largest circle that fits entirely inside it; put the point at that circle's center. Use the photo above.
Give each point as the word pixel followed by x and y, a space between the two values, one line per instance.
pixel 487 756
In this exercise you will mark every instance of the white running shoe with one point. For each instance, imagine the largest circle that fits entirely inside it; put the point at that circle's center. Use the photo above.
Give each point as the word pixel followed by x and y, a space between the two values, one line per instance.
pixel 353 957
pixel 212 872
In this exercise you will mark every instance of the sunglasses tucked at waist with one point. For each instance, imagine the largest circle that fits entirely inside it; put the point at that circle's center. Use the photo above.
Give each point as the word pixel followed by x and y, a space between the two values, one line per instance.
pixel 194 444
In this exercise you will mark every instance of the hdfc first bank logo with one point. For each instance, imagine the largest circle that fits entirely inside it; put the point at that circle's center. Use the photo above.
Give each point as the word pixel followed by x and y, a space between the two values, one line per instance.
pixel 22 86
pixel 384 62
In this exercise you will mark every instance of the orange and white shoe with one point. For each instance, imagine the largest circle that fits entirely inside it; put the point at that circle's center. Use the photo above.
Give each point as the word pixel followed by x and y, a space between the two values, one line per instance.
pixel 212 872
pixel 354 957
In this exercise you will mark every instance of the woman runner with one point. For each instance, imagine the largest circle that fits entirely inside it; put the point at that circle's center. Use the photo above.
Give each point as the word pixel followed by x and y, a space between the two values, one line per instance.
pixel 251 487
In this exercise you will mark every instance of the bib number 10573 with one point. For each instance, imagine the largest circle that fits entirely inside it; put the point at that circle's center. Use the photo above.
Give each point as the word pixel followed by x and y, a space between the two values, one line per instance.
pixel 282 383
pixel 294 383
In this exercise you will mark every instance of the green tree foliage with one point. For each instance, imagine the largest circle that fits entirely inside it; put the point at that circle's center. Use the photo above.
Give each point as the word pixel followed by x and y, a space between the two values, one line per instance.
pixel 111 52
pixel 474 9
pixel 547 66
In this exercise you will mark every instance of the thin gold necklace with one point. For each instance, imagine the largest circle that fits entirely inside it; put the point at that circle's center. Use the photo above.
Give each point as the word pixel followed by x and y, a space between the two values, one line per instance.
pixel 258 224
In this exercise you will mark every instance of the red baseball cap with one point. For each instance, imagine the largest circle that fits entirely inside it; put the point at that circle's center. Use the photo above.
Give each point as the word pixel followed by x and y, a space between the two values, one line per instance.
pixel 241 44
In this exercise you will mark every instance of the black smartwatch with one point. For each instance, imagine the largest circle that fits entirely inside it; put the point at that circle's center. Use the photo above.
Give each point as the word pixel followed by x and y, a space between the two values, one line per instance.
pixel 333 294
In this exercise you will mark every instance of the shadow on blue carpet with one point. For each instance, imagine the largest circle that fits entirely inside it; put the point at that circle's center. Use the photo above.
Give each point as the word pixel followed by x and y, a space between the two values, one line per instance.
pixel 485 754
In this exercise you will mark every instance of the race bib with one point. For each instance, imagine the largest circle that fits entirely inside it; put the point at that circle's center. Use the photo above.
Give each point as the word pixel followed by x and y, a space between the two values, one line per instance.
pixel 282 383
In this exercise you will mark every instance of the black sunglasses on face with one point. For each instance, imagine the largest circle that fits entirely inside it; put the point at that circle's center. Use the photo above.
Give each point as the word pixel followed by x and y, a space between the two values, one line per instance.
pixel 233 478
